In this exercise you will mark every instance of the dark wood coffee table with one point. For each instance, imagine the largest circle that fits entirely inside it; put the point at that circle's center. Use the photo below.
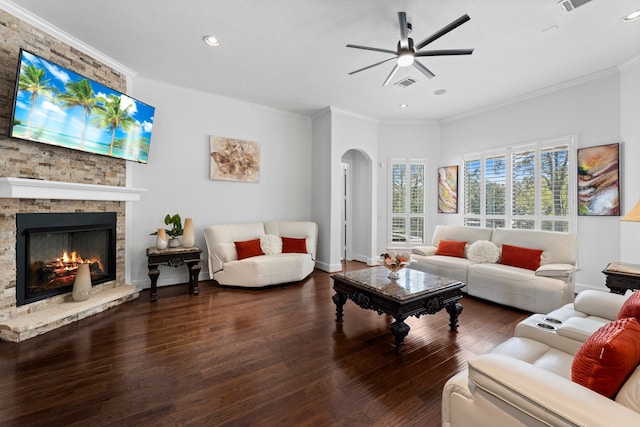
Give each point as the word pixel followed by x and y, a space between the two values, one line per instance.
pixel 415 293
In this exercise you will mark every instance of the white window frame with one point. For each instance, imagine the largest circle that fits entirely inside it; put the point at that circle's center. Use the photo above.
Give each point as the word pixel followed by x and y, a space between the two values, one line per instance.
pixel 537 146
pixel 408 215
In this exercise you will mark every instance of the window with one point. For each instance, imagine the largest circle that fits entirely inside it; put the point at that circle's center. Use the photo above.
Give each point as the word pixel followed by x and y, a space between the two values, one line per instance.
pixel 524 187
pixel 407 195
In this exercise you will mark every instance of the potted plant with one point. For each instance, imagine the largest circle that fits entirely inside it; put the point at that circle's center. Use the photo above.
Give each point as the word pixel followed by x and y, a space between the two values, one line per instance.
pixel 176 229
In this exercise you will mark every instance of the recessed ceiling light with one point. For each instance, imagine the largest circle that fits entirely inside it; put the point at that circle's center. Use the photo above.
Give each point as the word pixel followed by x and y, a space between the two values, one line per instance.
pixel 440 92
pixel 211 40
pixel 403 105
pixel 632 16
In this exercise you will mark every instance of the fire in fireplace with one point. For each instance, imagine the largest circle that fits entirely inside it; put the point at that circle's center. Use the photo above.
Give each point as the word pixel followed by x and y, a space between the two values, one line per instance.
pixel 51 246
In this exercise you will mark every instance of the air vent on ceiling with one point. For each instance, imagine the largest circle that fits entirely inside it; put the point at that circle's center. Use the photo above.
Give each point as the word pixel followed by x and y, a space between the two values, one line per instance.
pixel 406 82
pixel 569 5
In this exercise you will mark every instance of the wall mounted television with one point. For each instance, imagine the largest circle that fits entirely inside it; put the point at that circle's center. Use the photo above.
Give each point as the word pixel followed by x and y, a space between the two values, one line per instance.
pixel 54 105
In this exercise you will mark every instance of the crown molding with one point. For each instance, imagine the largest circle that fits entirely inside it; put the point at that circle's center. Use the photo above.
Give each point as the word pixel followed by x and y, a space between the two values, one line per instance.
pixel 23 14
pixel 527 96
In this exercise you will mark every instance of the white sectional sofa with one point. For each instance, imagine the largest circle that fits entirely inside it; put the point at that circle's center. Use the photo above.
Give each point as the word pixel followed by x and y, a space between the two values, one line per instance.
pixel 527 380
pixel 548 287
pixel 272 268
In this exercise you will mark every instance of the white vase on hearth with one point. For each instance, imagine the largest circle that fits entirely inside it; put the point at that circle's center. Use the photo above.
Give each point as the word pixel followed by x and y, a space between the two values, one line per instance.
pixel 188 235
pixel 82 283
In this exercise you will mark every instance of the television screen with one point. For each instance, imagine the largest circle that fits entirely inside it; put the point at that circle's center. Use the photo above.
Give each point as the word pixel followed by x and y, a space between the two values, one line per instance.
pixel 57 106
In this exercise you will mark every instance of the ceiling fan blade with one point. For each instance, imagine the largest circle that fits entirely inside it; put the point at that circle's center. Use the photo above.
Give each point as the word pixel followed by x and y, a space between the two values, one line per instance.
pixel 371 66
pixel 435 36
pixel 375 49
pixel 444 52
pixel 424 70
pixel 402 19
pixel 391 74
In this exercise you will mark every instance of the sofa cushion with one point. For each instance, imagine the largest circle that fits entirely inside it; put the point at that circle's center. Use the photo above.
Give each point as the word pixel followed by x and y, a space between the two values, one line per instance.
pixel 248 248
pixel 266 270
pixel 460 232
pixel 294 245
pixel 271 244
pixel 608 357
pixel 631 307
pixel 629 394
pixel 517 256
pixel 451 248
pixel 483 251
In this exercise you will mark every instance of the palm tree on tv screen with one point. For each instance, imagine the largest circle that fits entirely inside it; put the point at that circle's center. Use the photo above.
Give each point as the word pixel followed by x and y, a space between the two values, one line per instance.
pixel 32 79
pixel 111 117
pixel 80 94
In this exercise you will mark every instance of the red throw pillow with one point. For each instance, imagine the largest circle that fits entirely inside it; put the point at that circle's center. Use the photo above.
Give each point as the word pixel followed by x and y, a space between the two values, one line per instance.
pixel 451 248
pixel 248 248
pixel 631 307
pixel 608 357
pixel 294 245
pixel 516 256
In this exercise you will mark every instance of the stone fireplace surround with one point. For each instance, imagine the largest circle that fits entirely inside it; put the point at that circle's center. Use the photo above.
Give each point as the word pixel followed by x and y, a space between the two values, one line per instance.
pixel 20 323
pixel 72 181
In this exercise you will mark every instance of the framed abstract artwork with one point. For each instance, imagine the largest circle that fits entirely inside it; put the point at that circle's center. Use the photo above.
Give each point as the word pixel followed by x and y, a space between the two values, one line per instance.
pixel 599 181
pixel 234 159
pixel 448 189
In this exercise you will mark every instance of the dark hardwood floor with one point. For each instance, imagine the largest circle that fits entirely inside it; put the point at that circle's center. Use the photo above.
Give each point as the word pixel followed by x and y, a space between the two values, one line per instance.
pixel 271 357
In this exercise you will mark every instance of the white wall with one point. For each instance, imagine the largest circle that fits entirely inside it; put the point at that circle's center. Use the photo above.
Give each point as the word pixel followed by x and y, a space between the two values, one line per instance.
pixel 415 140
pixel 353 132
pixel 177 175
pixel 591 110
pixel 321 202
pixel 630 125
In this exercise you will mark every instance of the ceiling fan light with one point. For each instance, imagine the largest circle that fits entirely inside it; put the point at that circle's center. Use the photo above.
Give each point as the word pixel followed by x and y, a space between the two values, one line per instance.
pixel 405 59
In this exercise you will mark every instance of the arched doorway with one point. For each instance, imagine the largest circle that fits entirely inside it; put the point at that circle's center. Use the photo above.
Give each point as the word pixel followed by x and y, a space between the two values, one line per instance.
pixel 356 206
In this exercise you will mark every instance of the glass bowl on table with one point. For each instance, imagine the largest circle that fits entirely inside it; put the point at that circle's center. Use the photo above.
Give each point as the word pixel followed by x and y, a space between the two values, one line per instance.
pixel 394 262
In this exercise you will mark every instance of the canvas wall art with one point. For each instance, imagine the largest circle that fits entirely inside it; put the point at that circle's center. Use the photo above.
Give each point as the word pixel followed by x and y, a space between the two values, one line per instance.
pixel 234 159
pixel 448 189
pixel 598 181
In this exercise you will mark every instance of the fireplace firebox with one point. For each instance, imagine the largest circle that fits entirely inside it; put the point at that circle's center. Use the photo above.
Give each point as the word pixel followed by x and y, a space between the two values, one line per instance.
pixel 51 246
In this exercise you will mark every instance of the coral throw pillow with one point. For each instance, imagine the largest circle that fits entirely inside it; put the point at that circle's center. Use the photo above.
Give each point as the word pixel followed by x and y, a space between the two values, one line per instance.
pixel 451 248
pixel 516 256
pixel 294 245
pixel 608 357
pixel 248 248
pixel 631 307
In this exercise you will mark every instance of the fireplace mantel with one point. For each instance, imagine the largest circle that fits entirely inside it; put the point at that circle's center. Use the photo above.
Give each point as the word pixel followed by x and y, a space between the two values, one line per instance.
pixel 25 188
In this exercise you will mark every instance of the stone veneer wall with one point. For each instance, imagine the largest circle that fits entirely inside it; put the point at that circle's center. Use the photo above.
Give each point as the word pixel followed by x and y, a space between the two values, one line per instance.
pixel 25 159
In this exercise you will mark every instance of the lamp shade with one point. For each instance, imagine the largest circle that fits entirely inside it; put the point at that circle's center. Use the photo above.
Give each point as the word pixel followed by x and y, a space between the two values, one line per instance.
pixel 633 215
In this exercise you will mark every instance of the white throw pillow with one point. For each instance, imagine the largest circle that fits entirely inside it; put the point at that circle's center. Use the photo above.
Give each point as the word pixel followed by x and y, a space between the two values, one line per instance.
pixel 483 251
pixel 271 244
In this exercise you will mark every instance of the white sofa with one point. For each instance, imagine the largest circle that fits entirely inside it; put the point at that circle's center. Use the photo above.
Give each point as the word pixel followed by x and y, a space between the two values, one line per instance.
pixel 526 381
pixel 264 270
pixel 549 287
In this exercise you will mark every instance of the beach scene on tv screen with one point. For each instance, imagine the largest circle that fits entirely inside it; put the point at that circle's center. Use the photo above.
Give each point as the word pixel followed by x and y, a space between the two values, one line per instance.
pixel 56 106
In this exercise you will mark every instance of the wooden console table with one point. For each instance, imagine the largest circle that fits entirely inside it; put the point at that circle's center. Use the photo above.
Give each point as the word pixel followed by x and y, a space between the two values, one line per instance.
pixel 174 257
pixel 622 276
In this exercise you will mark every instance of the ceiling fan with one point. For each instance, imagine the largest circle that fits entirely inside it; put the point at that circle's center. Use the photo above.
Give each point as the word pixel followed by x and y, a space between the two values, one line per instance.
pixel 407 52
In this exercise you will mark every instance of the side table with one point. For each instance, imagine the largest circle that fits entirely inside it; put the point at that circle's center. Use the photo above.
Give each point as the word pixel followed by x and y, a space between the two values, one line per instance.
pixel 174 257
pixel 622 276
